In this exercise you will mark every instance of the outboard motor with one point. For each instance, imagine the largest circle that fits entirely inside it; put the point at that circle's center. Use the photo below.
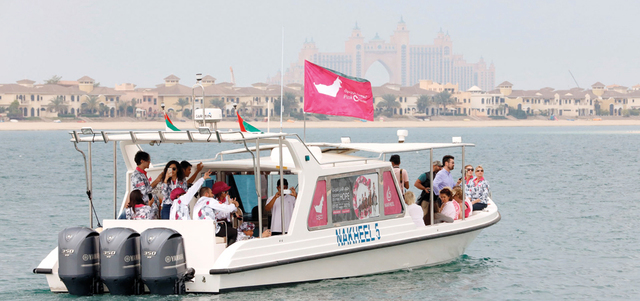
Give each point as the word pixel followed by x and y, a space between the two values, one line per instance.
pixel 164 266
pixel 120 261
pixel 79 261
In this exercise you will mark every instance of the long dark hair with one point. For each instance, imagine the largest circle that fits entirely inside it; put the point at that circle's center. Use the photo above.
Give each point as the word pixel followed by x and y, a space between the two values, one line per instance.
pixel 180 171
pixel 135 198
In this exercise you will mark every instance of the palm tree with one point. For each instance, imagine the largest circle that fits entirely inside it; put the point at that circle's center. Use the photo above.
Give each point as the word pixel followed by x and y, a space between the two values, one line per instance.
pixel 122 108
pixel 423 103
pixel 388 103
pixel 103 110
pixel 53 80
pixel 132 107
pixel 58 104
pixel 443 99
pixel 289 102
pixel 183 102
pixel 91 104
pixel 217 103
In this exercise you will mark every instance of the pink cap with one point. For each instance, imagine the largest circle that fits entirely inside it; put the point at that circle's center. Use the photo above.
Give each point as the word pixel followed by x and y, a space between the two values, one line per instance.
pixel 176 193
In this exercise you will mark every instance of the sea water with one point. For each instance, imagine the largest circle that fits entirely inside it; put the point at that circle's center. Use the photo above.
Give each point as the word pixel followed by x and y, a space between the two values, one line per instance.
pixel 568 197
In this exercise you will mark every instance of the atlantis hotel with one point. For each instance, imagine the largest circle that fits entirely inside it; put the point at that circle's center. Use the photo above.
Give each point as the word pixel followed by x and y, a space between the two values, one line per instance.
pixel 406 64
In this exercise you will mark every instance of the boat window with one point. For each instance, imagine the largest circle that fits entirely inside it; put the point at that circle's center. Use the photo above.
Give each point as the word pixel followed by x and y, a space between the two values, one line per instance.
pixel 354 198
pixel 243 188
pixel 392 203
pixel 318 211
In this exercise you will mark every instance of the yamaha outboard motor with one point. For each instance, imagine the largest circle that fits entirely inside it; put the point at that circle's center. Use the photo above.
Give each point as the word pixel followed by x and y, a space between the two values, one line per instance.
pixel 164 267
pixel 79 261
pixel 120 261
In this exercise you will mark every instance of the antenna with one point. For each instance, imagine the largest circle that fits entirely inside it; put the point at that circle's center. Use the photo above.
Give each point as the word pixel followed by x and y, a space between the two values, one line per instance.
pixel 574 79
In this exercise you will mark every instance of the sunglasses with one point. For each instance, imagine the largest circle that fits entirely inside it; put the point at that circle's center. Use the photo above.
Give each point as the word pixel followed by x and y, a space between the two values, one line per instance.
pixel 480 170
pixel 469 169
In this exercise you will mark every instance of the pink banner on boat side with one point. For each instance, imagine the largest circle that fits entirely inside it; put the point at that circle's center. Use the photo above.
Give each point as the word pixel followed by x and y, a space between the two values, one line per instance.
pixel 390 194
pixel 318 213
pixel 332 93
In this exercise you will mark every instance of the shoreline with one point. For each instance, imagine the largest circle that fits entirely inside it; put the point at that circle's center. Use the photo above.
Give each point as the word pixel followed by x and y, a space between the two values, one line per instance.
pixel 225 125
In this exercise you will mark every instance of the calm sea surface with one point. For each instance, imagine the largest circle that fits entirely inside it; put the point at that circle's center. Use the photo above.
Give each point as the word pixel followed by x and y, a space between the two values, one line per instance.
pixel 568 196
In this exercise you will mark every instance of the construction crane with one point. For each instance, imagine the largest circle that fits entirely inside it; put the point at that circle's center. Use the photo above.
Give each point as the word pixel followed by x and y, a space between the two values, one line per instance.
pixel 233 78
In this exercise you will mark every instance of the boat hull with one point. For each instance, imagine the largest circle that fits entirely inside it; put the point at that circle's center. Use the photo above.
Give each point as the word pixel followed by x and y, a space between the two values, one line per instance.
pixel 416 254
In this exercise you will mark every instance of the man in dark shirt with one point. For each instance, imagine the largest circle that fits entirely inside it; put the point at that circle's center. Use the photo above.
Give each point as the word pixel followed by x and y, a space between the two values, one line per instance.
pixel 423 183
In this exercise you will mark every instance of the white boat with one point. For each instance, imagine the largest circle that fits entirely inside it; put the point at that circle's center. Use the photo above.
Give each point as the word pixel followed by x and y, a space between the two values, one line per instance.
pixel 333 233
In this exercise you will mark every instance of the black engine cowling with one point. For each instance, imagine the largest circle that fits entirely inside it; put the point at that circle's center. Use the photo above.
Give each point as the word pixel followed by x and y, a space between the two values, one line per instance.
pixel 120 261
pixel 79 261
pixel 162 257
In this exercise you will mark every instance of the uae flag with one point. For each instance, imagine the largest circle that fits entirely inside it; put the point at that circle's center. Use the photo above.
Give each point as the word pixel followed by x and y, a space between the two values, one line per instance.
pixel 245 126
pixel 333 93
pixel 169 124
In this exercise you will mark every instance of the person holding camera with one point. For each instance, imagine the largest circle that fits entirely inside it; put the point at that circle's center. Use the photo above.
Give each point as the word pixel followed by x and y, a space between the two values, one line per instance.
pixel 274 204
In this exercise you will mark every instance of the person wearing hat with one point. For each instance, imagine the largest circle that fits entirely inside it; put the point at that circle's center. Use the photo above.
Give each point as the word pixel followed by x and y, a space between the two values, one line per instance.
pixel 207 206
pixel 246 231
pixel 401 174
pixel 424 184
pixel 274 203
pixel 181 199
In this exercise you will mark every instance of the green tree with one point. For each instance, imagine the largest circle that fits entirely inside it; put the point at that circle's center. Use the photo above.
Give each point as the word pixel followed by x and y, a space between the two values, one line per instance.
pixel 122 108
pixel 423 103
pixel 14 110
pixel 443 99
pixel 103 110
pixel 387 104
pixel 58 104
pixel 289 102
pixel 217 103
pixel 53 80
pixel 131 107
pixel 183 102
pixel 91 104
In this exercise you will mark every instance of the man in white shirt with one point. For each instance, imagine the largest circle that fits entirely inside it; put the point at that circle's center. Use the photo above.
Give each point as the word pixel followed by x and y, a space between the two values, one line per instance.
pixel 207 206
pixel 274 204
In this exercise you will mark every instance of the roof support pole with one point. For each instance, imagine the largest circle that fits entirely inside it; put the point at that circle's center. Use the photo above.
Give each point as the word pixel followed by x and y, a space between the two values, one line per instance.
pixel 431 184
pixel 90 187
pixel 464 204
pixel 258 178
pixel 115 180
pixel 281 188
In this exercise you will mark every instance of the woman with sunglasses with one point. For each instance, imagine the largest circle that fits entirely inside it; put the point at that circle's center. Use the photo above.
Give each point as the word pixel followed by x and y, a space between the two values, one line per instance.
pixel 468 180
pixel 172 178
pixel 479 190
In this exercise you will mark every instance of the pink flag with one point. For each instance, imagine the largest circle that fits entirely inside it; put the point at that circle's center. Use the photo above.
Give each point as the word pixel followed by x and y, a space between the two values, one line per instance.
pixel 333 93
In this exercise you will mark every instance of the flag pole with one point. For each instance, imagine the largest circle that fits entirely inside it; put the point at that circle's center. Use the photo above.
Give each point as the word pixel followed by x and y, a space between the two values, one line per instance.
pixel 282 81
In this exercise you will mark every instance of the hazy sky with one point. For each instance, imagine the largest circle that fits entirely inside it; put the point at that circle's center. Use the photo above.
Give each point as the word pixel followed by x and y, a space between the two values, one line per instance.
pixel 533 44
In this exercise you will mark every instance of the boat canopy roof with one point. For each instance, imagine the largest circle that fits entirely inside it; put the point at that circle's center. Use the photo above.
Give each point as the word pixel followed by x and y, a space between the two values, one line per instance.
pixel 384 148
pixel 188 136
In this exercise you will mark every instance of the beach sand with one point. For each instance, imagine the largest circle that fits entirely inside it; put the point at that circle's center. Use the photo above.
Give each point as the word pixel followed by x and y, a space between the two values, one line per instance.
pixel 225 125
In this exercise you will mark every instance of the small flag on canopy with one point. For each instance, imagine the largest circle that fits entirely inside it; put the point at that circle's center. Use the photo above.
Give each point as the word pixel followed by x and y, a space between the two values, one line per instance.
pixel 169 125
pixel 333 93
pixel 245 126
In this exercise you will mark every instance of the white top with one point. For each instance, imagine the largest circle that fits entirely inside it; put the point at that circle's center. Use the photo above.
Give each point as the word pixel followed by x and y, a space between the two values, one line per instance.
pixel 180 206
pixel 415 212
pixel 451 209
pixel 290 202
pixel 212 203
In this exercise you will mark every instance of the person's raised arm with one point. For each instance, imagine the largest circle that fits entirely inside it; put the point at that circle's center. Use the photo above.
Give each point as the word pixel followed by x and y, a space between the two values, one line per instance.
pixel 158 179
pixel 271 201
pixel 195 174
